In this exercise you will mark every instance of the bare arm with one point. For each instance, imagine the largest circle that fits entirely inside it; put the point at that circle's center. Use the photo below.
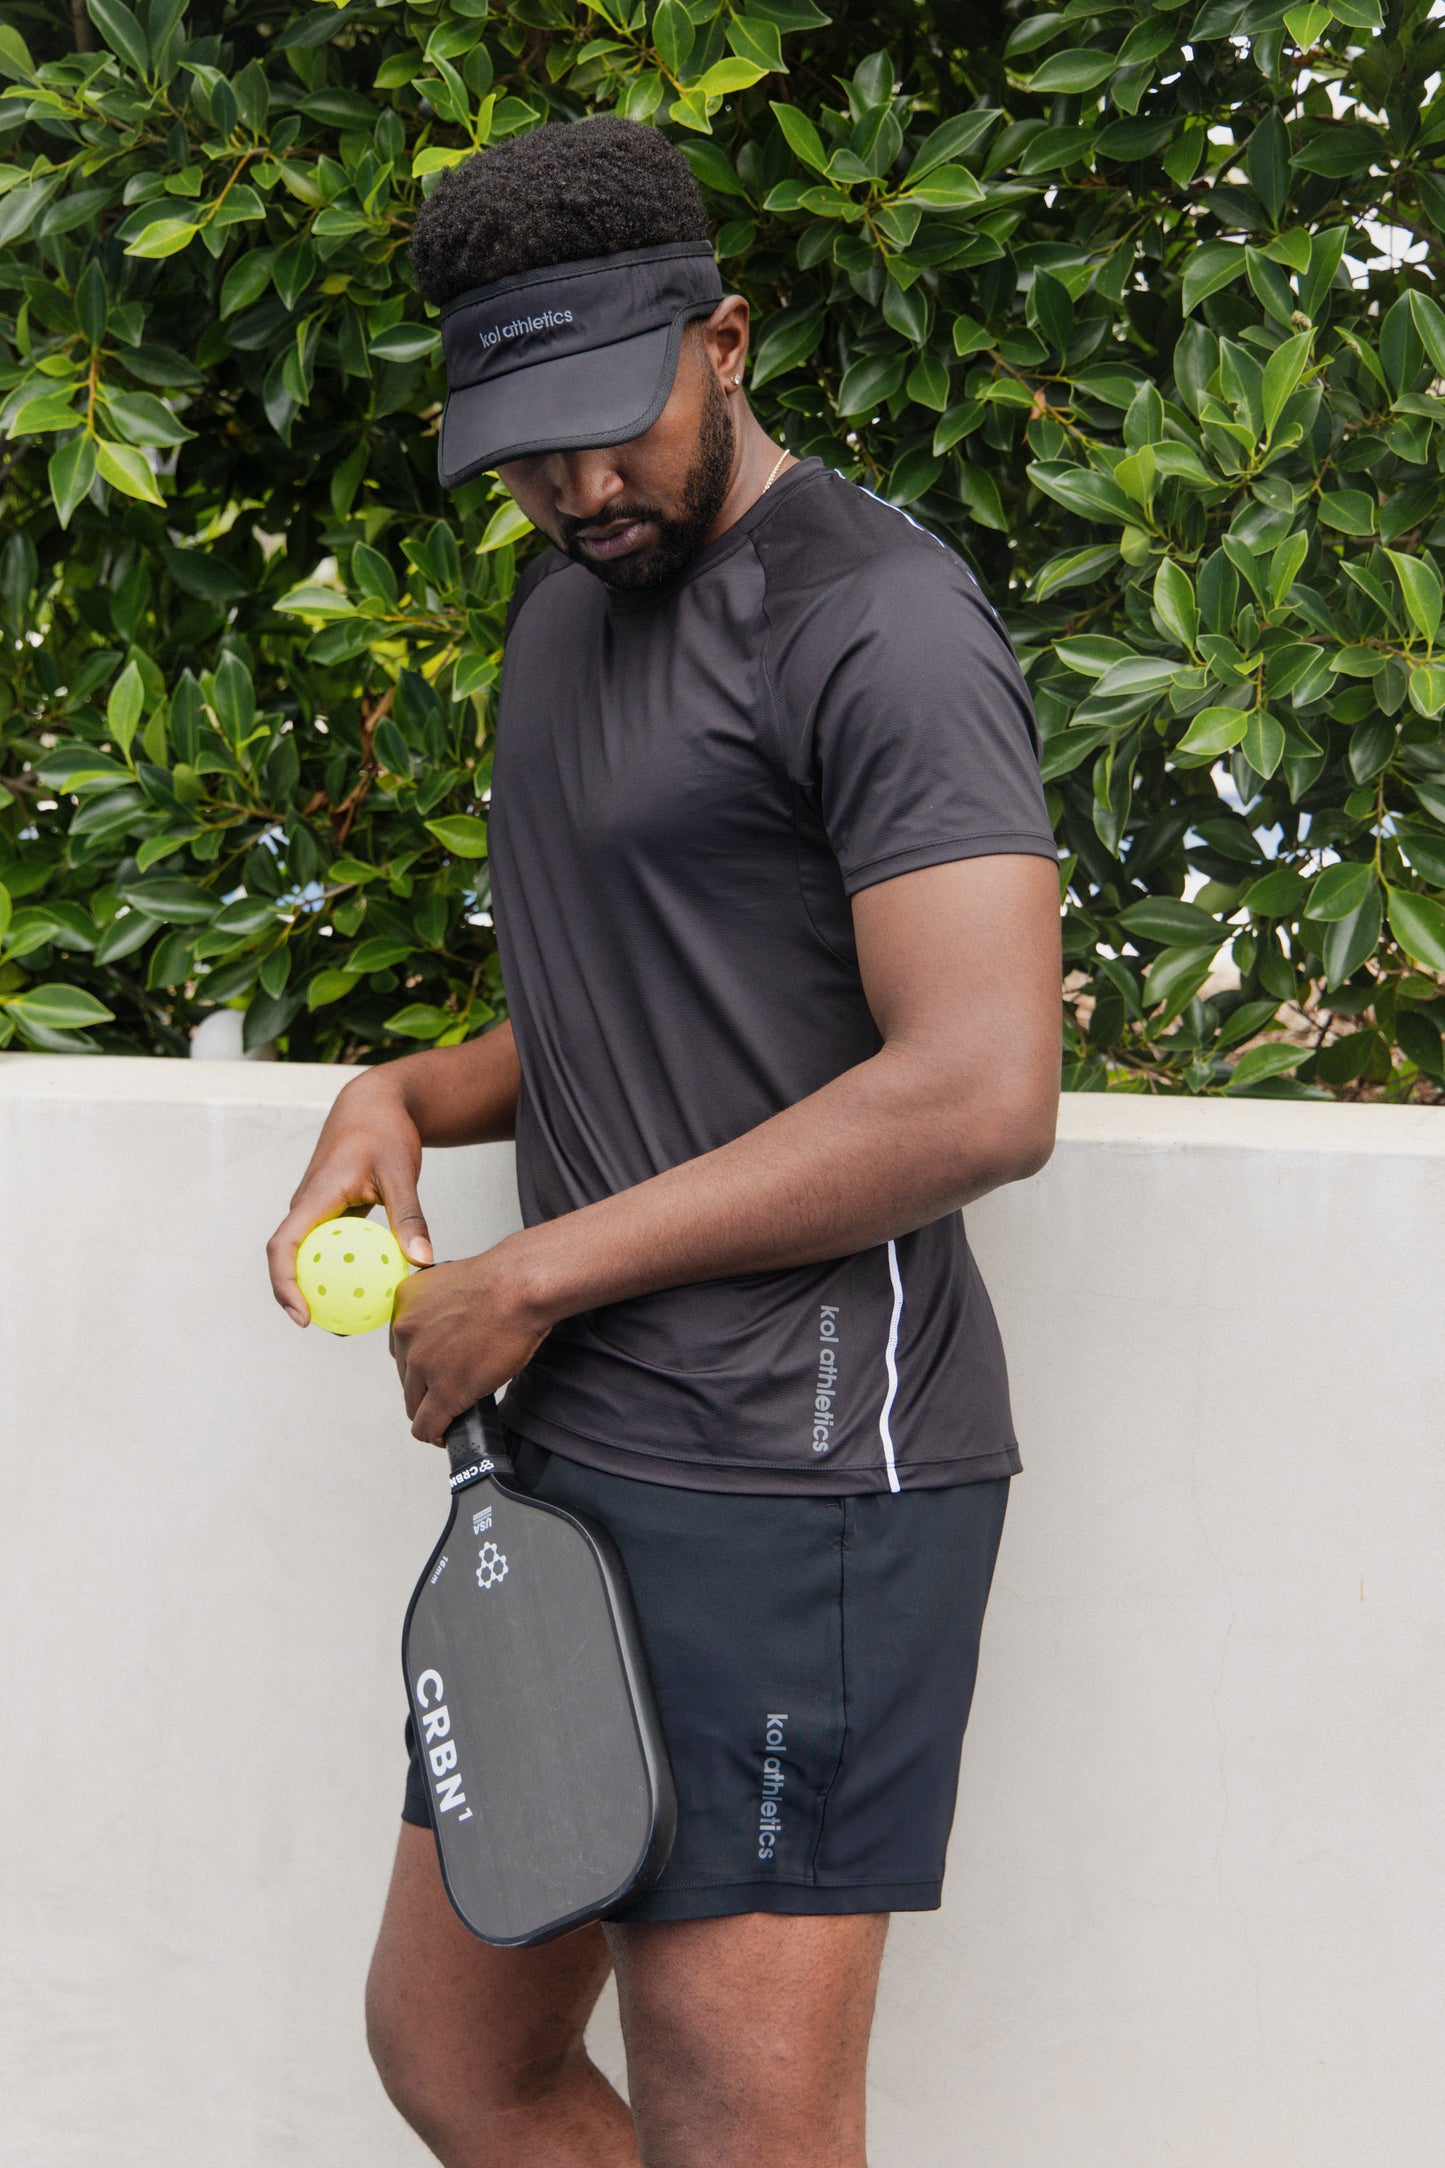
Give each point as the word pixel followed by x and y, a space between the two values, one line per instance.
pixel 370 1147
pixel 961 968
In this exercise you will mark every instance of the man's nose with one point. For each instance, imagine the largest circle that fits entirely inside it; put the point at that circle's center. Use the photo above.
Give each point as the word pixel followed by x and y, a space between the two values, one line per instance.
pixel 583 483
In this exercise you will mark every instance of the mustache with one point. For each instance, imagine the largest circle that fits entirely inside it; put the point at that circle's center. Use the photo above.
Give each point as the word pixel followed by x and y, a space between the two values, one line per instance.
pixel 574 530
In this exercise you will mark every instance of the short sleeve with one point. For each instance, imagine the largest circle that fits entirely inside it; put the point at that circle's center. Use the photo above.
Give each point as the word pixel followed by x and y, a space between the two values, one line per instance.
pixel 921 745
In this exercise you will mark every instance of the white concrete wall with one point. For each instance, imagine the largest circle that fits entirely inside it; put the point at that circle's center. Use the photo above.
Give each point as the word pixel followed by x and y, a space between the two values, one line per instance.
pixel 1196 1894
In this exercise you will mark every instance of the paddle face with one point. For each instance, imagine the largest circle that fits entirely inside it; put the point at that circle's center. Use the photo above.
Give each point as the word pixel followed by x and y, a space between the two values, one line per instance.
pixel 550 1793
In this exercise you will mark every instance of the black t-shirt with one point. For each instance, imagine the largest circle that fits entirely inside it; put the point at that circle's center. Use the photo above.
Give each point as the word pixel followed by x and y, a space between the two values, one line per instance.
pixel 689 784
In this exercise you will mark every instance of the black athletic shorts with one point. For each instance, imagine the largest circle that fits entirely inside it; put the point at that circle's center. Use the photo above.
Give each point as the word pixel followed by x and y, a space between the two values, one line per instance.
pixel 813 1661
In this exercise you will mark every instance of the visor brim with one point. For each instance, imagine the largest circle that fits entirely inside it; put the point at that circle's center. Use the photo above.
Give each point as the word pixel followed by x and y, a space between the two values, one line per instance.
pixel 571 403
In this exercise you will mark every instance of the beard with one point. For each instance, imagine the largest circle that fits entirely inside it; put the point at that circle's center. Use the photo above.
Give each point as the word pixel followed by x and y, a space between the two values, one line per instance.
pixel 680 538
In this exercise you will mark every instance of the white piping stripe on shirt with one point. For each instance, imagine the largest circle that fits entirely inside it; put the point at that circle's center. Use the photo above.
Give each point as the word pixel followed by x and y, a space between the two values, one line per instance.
pixel 890 1357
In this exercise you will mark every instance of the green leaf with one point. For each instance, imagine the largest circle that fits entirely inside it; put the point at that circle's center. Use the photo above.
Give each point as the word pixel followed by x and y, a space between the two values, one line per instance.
pixel 1075 72
pixel 1284 566
pixel 1339 149
pixel 1211 265
pixel 802 137
pixel 1277 894
pixel 462 834
pixel 947 188
pixel 71 471
pixel 952 140
pixel 1420 586
pixel 1348 510
pixel 1305 25
pixel 1174 601
pixel 406 342
pixel 1261 1062
pixel 1267 163
pixel 176 902
pixel 672 34
pixel 15 57
pixel 127 470
pixel 1418 924
pixel 141 418
pixel 164 237
pixel 1177 974
pixel 1170 920
pixel 329 986
pixel 1244 1022
pixel 122 33
pixel 1282 373
pixel 869 382
pixel 235 699
pixel 1075 568
pixel 1339 891
pixel 473 674
pixel 789 340
pixel 1083 490
pixel 1350 940
pixel 507 524
pixel 1263 742
pixel 1427 688
pixel 1428 319
pixel 5 908
pixel 57 1008
pixel 1214 731
pixel 912 475
pixel 420 1021
pixel 726 76
pixel 381 954
pixel 123 706
pixel 756 40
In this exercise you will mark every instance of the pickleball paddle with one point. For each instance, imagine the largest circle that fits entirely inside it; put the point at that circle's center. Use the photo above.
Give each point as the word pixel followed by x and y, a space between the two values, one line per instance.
pixel 551 1795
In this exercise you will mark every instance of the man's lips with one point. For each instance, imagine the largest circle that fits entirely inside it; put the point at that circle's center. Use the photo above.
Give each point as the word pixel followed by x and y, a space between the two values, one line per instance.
pixel 613 541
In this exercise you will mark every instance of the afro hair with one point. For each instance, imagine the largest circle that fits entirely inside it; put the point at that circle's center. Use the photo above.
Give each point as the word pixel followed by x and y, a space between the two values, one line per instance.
pixel 562 192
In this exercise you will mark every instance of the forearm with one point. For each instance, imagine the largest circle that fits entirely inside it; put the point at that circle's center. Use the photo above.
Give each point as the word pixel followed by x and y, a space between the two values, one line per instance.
pixel 882 1149
pixel 454 1094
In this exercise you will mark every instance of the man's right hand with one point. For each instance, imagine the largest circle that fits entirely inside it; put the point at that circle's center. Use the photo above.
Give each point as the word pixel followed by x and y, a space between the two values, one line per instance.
pixel 369 1152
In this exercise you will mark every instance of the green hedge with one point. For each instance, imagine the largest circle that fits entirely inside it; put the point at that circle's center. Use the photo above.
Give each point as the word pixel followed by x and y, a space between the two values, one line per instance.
pixel 1130 304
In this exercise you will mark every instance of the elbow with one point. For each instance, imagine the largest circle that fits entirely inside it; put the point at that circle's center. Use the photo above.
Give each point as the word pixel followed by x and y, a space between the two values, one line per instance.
pixel 1003 1145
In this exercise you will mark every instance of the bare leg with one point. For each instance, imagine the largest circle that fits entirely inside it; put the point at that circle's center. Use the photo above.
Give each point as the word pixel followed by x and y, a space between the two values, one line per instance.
pixel 747 2038
pixel 480 2049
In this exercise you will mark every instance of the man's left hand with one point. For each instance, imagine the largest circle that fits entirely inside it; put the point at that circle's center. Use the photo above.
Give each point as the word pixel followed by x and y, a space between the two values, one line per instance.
pixel 462 1330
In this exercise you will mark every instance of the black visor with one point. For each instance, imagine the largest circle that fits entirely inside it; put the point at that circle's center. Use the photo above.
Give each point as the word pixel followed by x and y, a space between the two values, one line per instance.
pixel 577 355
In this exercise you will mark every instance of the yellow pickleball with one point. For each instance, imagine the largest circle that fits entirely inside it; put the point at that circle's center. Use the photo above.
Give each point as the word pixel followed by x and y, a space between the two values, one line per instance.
pixel 349 1271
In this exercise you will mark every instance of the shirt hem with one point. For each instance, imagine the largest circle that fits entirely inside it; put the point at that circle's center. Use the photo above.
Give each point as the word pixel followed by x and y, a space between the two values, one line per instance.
pixel 1032 842
pixel 685 1472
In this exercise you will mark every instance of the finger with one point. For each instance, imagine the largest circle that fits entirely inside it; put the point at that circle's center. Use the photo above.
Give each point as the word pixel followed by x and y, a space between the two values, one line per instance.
pixel 413 1388
pixel 312 1203
pixel 403 1208
pixel 429 1424
pixel 281 1263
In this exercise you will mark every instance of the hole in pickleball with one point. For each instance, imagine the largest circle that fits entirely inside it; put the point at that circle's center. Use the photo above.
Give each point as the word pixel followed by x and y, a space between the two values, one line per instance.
pixel 316 1257
pixel 348 1257
pixel 319 1289
pixel 358 1292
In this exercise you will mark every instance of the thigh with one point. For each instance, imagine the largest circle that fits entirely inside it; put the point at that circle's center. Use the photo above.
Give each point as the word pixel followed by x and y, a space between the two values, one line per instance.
pixel 449 2014
pixel 747 2037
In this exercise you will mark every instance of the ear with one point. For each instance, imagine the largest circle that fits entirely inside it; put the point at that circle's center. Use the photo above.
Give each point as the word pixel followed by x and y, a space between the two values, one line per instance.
pixel 725 337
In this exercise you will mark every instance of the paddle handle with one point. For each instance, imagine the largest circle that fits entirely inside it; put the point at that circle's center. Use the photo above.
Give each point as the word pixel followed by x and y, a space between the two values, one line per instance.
pixel 474 1437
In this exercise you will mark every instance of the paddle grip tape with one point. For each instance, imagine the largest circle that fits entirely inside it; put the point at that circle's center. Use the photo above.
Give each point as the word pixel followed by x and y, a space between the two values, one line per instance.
pixel 474 1444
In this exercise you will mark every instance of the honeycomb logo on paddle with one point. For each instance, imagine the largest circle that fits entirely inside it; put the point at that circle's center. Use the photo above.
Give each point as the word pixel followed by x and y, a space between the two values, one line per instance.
pixel 491 1566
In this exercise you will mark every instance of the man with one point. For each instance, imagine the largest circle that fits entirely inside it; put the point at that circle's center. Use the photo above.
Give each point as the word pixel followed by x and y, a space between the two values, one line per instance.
pixel 777 906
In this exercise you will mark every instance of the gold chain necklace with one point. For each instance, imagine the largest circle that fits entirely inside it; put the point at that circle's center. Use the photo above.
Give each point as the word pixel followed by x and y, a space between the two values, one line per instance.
pixel 774 475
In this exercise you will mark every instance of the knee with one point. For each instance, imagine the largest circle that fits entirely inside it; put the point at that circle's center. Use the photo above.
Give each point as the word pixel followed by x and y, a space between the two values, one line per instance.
pixel 398 2052
pixel 467 2105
